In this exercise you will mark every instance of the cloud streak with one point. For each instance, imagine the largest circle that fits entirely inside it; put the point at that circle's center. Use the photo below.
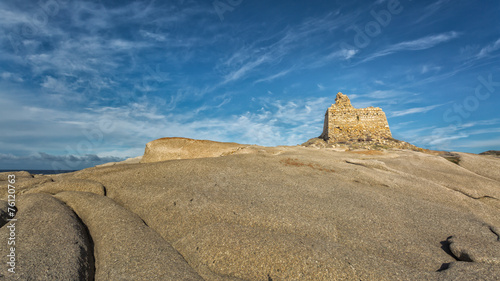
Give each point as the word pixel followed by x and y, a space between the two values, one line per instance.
pixel 487 50
pixel 414 110
pixel 414 45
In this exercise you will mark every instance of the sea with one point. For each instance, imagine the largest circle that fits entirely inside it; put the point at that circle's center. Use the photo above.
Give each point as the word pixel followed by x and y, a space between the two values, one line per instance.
pixel 45 172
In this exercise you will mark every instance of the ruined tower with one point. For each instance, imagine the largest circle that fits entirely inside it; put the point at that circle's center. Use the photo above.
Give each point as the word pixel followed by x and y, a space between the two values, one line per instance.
pixel 344 123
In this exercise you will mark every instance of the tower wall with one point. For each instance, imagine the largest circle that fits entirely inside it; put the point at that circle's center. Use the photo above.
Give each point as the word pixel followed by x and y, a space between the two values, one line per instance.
pixel 344 122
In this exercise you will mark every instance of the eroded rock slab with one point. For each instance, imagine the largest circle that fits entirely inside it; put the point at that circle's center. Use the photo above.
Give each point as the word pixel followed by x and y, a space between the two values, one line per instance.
pixel 70 185
pixel 278 213
pixel 184 148
pixel 50 242
pixel 483 250
pixel 125 247
pixel 485 165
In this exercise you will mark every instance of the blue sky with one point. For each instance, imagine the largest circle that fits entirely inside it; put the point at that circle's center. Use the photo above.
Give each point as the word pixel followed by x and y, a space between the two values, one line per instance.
pixel 87 82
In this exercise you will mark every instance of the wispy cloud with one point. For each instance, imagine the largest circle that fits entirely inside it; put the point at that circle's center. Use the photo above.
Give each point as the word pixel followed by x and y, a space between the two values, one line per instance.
pixel 344 54
pixel 488 144
pixel 487 50
pixel 156 36
pixel 385 94
pixel 11 76
pixel 429 68
pixel 247 67
pixel 447 137
pixel 414 45
pixel 272 50
pixel 431 9
pixel 274 76
pixel 414 110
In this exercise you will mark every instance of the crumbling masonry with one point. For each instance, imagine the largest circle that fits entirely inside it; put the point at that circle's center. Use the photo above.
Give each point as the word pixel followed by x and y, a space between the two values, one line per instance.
pixel 345 123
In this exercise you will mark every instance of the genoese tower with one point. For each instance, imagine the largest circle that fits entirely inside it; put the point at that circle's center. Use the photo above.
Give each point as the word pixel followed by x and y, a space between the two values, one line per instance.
pixel 345 123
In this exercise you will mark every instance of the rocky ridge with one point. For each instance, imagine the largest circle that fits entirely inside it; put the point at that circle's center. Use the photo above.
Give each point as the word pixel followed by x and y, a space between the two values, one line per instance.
pixel 262 213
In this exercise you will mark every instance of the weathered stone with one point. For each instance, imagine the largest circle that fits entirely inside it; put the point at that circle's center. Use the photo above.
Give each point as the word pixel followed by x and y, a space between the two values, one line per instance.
pixel 486 249
pixel 259 214
pixel 20 174
pixel 125 247
pixel 184 148
pixel 22 185
pixel 50 242
pixel 487 166
pixel 294 213
pixel 70 185
pixel 134 160
pixel 343 122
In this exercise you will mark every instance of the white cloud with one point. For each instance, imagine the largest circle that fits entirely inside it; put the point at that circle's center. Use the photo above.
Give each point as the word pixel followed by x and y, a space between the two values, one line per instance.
pixel 11 77
pixel 414 110
pixel 273 49
pixel 431 9
pixel 387 94
pixel 344 54
pixel 156 36
pixel 244 69
pixel 487 50
pixel 127 128
pixel 489 144
pixel 415 45
pixel 446 137
pixel 274 76
pixel 55 85
pixel 429 68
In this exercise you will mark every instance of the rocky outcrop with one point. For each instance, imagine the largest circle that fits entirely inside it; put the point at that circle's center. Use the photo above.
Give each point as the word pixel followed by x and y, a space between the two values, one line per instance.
pixel 133 160
pixel 486 166
pixel 184 148
pixel 125 247
pixel 70 185
pixel 362 144
pixel 51 243
pixel 284 213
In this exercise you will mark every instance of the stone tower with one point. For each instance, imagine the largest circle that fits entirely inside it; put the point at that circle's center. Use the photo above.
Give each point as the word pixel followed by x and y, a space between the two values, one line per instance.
pixel 344 123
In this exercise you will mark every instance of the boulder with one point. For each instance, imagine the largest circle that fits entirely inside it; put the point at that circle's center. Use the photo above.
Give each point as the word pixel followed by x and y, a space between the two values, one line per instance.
pixel 51 243
pixel 70 185
pixel 184 148
pixel 125 247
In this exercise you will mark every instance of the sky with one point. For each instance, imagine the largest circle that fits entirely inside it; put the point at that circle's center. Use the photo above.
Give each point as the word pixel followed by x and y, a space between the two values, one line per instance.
pixel 88 82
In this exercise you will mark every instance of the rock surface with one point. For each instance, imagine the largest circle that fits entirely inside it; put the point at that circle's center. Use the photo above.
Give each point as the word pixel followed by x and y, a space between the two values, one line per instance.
pixel 133 160
pixel 70 185
pixel 183 148
pixel 289 213
pixel 126 248
pixel 50 242
pixel 362 144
